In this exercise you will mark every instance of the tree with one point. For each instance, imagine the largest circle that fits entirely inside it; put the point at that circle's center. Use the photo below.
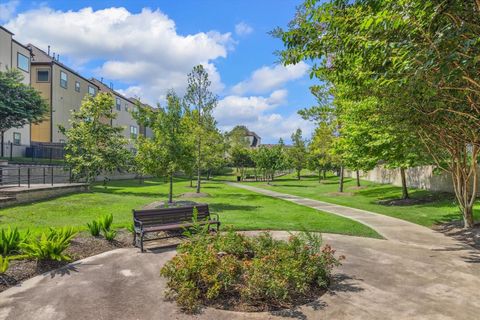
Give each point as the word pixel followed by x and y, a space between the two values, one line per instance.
pixel 20 104
pixel 241 158
pixel 93 145
pixel 169 150
pixel 297 154
pixel 203 101
pixel 270 160
pixel 320 151
pixel 417 58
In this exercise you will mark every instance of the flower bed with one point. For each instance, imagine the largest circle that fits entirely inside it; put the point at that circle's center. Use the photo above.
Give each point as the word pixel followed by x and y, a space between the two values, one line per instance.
pixel 236 272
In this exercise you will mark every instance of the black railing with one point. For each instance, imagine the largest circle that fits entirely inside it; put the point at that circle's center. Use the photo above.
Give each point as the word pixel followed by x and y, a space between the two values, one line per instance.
pixel 28 176
pixel 38 153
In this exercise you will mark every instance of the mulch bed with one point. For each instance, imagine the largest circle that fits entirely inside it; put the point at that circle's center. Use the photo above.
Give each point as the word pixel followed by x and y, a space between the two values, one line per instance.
pixel 414 201
pixel 82 246
pixel 455 230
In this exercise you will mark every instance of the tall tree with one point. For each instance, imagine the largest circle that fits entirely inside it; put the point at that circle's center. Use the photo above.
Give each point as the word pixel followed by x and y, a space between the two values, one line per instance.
pixel 320 151
pixel 203 101
pixel 20 104
pixel 297 153
pixel 270 160
pixel 169 150
pixel 94 146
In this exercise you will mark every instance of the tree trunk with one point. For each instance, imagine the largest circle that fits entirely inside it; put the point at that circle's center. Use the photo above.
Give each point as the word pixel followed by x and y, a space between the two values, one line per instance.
pixel 324 174
pixel 199 153
pixel 358 178
pixel 340 186
pixel 404 184
pixel 170 193
pixel 191 181
pixel 465 185
pixel 319 175
pixel 298 174
pixel 2 142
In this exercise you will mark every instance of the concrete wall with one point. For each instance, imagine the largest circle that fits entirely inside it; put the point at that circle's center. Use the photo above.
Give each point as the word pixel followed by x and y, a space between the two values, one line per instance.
pixel 418 177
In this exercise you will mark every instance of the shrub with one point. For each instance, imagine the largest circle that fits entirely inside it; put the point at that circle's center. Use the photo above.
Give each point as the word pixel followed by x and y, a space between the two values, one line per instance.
pixel 94 228
pixel 10 240
pixel 233 269
pixel 106 221
pixel 109 234
pixel 49 246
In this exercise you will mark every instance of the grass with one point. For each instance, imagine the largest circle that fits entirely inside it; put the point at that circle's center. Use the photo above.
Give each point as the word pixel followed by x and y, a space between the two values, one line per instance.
pixel 242 209
pixel 442 210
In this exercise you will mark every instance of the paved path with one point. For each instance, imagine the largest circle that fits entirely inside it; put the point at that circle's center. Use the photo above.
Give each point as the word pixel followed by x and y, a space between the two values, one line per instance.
pixel 415 273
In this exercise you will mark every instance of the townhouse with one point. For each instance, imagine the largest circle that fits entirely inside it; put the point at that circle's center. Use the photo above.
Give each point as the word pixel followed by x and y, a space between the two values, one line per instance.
pixel 14 55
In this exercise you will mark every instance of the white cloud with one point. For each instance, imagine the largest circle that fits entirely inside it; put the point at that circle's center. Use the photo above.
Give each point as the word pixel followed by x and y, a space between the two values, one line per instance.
pixel 243 29
pixel 7 9
pixel 267 78
pixel 258 114
pixel 141 49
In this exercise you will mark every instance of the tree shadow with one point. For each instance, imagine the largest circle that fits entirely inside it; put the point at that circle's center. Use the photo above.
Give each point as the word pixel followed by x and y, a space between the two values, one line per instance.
pixel 228 206
pixel 65 270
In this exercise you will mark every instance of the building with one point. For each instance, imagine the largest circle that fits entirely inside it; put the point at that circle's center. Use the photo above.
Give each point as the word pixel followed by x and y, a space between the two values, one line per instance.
pixel 15 55
pixel 143 130
pixel 123 107
pixel 62 88
pixel 253 138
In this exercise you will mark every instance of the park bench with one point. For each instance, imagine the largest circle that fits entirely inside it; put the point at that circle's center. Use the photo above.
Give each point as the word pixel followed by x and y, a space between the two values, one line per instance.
pixel 169 219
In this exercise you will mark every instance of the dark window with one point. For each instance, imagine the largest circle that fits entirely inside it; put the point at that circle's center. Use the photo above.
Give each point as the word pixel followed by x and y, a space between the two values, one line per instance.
pixel 77 86
pixel 63 79
pixel 17 138
pixel 133 132
pixel 23 62
pixel 117 104
pixel 43 76
pixel 91 90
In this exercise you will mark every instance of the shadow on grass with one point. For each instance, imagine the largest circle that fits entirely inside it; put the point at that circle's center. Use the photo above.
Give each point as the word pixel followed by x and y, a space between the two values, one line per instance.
pixel 221 207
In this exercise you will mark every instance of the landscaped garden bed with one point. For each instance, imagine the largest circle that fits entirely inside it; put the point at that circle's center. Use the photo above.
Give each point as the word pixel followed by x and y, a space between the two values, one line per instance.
pixel 235 272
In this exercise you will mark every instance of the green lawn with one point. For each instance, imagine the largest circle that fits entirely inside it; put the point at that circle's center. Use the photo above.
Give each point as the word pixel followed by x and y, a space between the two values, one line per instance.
pixel 242 209
pixel 366 198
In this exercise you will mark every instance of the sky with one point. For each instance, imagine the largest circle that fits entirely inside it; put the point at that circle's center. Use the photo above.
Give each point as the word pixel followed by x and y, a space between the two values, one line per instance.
pixel 147 47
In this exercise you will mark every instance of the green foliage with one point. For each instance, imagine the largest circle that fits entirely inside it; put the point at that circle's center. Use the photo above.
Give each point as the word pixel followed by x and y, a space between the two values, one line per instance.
pixel 50 245
pixel 270 160
pixel 257 271
pixel 105 222
pixel 10 240
pixel 4 264
pixel 94 227
pixel 297 153
pixel 20 104
pixel 93 144
pixel 131 228
pixel 109 234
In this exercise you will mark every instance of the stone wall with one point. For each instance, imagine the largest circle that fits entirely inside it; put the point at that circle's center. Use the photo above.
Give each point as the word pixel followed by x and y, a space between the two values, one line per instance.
pixel 418 177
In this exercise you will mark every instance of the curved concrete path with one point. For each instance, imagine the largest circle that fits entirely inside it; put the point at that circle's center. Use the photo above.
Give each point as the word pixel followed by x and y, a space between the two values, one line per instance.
pixel 415 273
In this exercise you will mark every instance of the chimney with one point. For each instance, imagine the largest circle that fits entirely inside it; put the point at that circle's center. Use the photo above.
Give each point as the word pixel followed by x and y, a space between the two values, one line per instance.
pixel 48 52
pixel 58 56
pixel 111 85
pixel 53 55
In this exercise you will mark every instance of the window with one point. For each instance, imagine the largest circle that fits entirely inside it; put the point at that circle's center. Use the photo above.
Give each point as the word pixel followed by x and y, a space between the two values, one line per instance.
pixel 91 90
pixel 17 138
pixel 23 62
pixel 126 107
pixel 117 104
pixel 77 86
pixel 133 132
pixel 43 75
pixel 63 80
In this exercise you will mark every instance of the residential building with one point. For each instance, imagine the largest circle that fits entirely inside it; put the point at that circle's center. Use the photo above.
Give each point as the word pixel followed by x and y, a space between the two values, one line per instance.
pixel 62 88
pixel 143 130
pixel 123 107
pixel 15 55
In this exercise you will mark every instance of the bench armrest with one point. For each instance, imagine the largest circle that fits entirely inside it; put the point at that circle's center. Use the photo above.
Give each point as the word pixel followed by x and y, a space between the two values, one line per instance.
pixel 137 222
pixel 216 215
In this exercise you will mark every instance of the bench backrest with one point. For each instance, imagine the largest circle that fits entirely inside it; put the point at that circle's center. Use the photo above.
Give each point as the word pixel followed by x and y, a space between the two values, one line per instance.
pixel 160 216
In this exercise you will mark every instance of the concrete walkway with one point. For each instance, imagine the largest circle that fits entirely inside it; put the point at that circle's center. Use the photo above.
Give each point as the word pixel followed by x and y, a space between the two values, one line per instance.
pixel 415 273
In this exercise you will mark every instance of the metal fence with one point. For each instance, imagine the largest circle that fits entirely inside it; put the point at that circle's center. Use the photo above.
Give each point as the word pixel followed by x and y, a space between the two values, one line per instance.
pixel 31 175
pixel 35 153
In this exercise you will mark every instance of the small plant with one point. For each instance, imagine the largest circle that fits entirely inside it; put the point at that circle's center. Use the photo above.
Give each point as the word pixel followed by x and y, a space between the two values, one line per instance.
pixel 109 234
pixel 196 230
pixel 106 221
pixel 4 263
pixel 94 228
pixel 50 245
pixel 10 240
pixel 131 228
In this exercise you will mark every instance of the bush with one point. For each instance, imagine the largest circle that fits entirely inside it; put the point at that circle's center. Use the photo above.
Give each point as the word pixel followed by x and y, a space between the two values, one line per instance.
pixel 232 269
pixel 94 228
pixel 10 240
pixel 106 221
pixel 109 234
pixel 49 246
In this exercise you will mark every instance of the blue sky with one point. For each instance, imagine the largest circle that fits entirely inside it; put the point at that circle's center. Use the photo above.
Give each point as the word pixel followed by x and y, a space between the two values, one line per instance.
pixel 147 47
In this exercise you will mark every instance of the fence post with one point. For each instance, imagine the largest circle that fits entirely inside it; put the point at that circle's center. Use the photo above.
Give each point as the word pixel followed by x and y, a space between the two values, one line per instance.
pixel 70 174
pixel 11 151
pixel 19 171
pixel 43 175
pixel 28 177
pixel 52 175
pixel 51 151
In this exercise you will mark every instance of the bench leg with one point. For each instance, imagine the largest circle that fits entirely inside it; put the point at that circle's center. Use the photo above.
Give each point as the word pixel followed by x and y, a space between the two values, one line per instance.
pixel 134 238
pixel 141 243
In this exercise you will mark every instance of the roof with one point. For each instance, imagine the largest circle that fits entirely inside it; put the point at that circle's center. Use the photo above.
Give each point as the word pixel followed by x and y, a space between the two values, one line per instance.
pixel 104 87
pixel 251 133
pixel 41 57
pixel 6 30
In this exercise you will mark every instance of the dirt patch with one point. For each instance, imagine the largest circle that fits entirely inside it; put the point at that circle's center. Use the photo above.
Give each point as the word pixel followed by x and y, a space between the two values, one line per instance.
pixel 82 246
pixel 341 194
pixel 164 204
pixel 455 230
pixel 414 201
pixel 194 195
